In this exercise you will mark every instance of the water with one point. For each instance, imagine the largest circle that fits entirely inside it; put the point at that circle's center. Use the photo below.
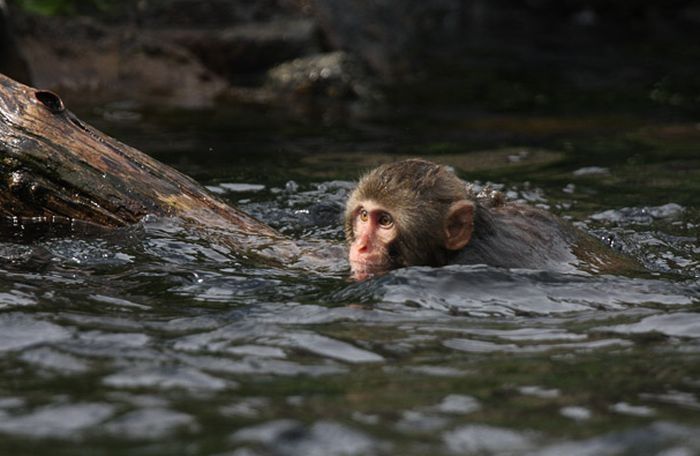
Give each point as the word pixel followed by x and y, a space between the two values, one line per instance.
pixel 151 340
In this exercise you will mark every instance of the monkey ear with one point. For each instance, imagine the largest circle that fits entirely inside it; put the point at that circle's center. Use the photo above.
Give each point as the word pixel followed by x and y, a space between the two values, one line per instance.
pixel 459 224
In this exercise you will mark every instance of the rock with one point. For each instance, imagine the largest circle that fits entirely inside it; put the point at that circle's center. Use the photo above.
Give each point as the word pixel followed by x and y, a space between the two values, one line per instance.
pixel 81 56
pixel 336 75
pixel 389 35
pixel 249 48
pixel 212 14
pixel 265 52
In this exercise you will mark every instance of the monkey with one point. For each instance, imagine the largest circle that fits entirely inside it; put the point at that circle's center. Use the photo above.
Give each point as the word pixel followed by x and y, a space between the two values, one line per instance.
pixel 418 213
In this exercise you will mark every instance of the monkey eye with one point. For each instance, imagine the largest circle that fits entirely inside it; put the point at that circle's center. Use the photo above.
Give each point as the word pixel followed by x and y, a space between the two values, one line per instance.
pixel 385 220
pixel 364 215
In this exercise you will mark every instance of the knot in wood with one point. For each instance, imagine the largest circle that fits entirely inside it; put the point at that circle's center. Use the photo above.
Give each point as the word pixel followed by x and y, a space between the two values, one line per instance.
pixel 52 101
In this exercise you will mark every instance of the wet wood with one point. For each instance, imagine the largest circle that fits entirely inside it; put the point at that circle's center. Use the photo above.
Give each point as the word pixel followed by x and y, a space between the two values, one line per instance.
pixel 53 166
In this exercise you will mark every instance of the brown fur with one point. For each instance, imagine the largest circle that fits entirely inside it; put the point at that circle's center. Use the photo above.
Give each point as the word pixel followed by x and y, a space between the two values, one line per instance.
pixel 419 193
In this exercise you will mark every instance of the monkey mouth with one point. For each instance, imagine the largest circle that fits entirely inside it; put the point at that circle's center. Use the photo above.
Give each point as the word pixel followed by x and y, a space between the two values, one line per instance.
pixel 363 270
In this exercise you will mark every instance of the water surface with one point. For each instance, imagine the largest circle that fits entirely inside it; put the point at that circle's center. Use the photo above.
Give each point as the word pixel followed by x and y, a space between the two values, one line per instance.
pixel 152 340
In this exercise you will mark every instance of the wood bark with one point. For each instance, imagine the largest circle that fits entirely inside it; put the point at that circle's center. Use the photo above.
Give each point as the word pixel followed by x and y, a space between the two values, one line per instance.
pixel 54 167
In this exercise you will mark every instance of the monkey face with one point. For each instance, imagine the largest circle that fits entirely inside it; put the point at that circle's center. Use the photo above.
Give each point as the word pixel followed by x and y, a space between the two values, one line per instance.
pixel 374 230
pixel 407 213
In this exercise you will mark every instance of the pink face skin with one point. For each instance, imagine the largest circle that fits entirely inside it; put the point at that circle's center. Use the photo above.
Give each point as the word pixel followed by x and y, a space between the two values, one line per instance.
pixel 374 229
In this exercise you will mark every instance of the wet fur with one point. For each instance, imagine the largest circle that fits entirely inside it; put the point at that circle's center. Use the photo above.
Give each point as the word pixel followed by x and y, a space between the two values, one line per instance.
pixel 419 193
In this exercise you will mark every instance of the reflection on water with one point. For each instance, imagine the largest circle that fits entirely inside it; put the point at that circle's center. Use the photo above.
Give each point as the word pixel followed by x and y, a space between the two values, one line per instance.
pixel 149 340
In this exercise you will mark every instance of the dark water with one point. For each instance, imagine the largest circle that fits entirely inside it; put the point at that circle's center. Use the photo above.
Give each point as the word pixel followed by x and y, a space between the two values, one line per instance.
pixel 149 340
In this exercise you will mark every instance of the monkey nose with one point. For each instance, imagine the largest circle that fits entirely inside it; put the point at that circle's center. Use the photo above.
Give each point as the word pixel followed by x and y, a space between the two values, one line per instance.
pixel 362 244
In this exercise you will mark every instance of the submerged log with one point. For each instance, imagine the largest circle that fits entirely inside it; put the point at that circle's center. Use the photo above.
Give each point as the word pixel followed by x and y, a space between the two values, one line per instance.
pixel 54 167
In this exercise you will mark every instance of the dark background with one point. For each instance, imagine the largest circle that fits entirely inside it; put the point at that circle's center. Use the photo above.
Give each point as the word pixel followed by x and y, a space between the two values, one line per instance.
pixel 499 54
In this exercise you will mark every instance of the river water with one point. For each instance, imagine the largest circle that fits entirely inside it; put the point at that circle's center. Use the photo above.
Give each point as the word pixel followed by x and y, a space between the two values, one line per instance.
pixel 150 340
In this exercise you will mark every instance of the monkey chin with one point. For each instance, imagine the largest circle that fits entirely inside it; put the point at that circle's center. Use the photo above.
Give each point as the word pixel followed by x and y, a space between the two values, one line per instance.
pixel 363 270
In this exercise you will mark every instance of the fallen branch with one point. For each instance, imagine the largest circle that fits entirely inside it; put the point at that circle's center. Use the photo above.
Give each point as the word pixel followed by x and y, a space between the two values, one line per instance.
pixel 55 167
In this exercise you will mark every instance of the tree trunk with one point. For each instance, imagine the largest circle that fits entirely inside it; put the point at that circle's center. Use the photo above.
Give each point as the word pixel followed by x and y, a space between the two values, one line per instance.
pixel 53 167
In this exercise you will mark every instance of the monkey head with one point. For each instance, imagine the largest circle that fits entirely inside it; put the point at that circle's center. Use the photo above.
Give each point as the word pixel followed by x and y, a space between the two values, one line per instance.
pixel 408 213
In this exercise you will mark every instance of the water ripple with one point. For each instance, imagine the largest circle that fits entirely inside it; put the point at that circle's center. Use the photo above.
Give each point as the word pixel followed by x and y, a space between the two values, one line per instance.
pixel 19 331
pixel 485 291
pixel 323 438
pixel 166 377
pixel 57 421
pixel 678 324
pixel 150 424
